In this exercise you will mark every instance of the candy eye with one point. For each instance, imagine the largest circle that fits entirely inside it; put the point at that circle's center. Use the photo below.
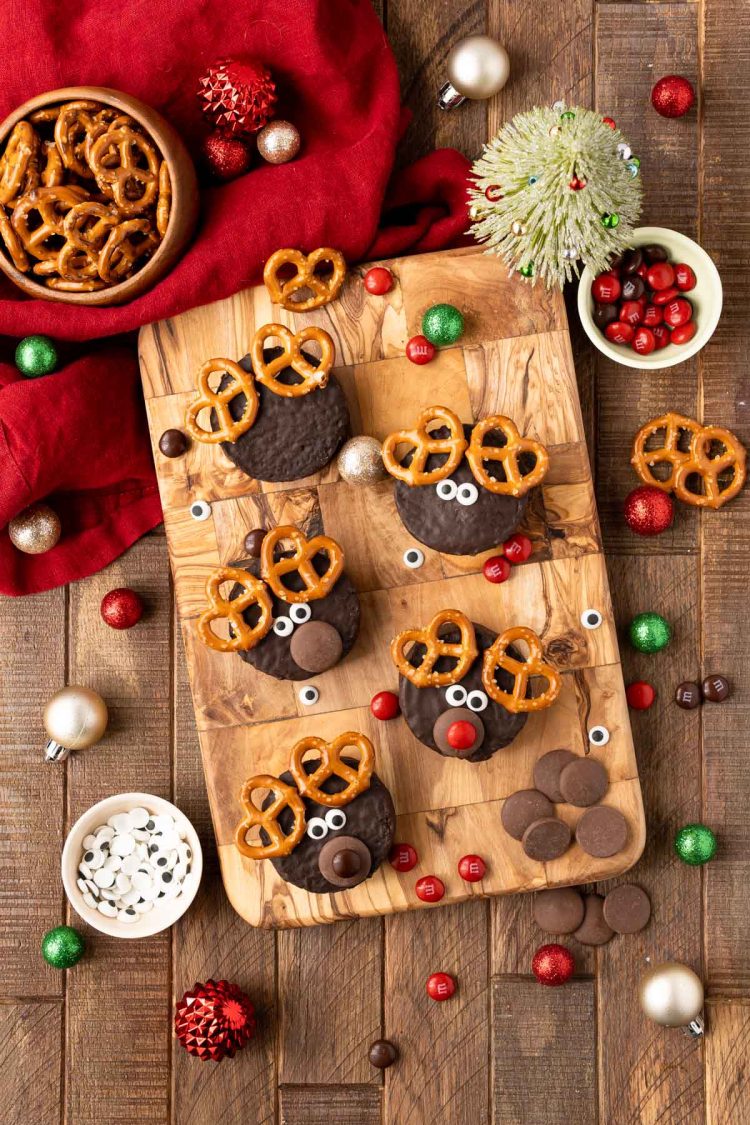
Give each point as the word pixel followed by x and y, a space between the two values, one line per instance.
pixel 300 613
pixel 476 701
pixel 317 829
pixel 335 819
pixel 200 510
pixel 446 489
pixel 591 619
pixel 309 695
pixel 467 494
pixel 414 558
pixel 599 736
pixel 455 695
pixel 283 626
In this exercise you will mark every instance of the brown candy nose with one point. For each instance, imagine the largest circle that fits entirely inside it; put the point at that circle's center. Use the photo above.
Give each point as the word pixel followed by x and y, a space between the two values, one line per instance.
pixel 344 861
pixel 316 646
pixel 446 742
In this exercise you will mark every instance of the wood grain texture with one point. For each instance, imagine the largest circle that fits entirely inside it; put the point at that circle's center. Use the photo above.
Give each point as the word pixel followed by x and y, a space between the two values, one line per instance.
pixel 30 1057
pixel 727 1054
pixel 330 1105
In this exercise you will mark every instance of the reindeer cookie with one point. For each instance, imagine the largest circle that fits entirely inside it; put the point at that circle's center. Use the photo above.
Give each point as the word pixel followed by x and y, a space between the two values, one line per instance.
pixel 291 614
pixel 462 489
pixel 327 824
pixel 464 691
pixel 279 414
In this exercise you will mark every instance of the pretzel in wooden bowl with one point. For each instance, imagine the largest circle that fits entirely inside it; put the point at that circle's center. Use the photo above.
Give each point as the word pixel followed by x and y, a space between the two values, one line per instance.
pixel 322 289
pixel 534 665
pixel 690 451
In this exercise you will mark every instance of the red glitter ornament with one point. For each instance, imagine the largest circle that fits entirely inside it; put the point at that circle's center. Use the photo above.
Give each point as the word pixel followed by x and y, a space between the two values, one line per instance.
pixel 553 965
pixel 226 157
pixel 403 857
pixel 673 96
pixel 214 1019
pixel 648 510
pixel 378 280
pixel 237 96
pixel 496 569
pixel 440 986
pixel 385 705
pixel 122 608
pixel 472 868
pixel 419 350
pixel 640 695
pixel 610 121
pixel 429 888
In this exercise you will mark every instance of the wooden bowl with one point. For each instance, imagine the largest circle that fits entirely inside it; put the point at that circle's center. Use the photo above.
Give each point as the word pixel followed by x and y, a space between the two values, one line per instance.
pixel 183 214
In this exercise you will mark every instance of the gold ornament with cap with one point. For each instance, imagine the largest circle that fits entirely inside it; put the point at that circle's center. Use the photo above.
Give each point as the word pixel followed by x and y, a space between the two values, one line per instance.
pixel 671 994
pixel 74 718
pixel 478 67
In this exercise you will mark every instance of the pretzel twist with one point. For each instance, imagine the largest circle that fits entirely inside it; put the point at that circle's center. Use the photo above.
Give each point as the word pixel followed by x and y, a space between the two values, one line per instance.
pixel 244 636
pixel 332 765
pixel 301 562
pixel 73 124
pixel 12 242
pixel 39 217
pixel 164 202
pixel 322 289
pixel 424 445
pixel 280 843
pixel 464 651
pixel 497 656
pixel 115 159
pixel 87 224
pixel 14 163
pixel 695 461
pixel 126 243
pixel 314 377
pixel 516 483
pixel 229 429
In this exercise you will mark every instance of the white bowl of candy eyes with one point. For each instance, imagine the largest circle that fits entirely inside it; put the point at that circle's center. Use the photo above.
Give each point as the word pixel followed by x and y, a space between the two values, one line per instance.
pixel 694 298
pixel 131 865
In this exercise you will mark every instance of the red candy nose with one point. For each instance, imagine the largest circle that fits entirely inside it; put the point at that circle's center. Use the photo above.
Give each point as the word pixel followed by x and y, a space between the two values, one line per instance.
pixel 461 735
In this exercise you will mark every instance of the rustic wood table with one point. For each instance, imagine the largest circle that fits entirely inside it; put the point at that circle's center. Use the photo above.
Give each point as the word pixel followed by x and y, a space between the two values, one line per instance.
pixel 94 1045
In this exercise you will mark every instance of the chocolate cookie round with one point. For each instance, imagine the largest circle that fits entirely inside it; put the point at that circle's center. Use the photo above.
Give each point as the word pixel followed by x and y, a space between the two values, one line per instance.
pixel 602 831
pixel 422 707
pixel 546 839
pixel 558 911
pixel 338 609
pixel 450 526
pixel 291 437
pixel 593 930
pixel 522 808
pixel 370 819
pixel 547 770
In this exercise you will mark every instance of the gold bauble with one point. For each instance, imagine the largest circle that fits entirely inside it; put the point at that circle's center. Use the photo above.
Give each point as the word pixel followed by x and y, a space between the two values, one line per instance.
pixel 278 142
pixel 74 718
pixel 35 530
pixel 478 67
pixel 360 461
pixel 671 994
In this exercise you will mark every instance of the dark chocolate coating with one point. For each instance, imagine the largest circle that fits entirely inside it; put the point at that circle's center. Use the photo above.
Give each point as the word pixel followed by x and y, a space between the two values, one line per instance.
pixel 370 817
pixel 455 529
pixel 421 706
pixel 339 608
pixel 291 437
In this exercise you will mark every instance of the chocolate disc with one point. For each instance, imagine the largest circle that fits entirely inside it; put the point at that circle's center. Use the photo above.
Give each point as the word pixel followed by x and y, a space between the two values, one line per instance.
pixel 522 808
pixel 593 930
pixel 547 772
pixel 316 646
pixel 583 782
pixel 559 911
pixel 602 831
pixel 627 909
pixel 546 839
pixel 344 860
pixel 446 720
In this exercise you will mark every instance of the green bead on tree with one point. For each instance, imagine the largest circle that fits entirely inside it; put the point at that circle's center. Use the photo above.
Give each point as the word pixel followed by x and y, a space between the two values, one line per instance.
pixel 649 632
pixel 695 844
pixel 36 356
pixel 63 947
pixel 442 325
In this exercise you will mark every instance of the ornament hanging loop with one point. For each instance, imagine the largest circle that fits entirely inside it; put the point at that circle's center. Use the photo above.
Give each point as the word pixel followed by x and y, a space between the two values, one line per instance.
pixel 696 1027
pixel 449 97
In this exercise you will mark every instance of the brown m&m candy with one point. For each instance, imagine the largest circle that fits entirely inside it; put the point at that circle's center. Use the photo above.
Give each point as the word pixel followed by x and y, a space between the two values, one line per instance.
pixel 382 1053
pixel 173 443
pixel 594 929
pixel 546 839
pixel 715 688
pixel 253 542
pixel 522 808
pixel 602 831
pixel 547 772
pixel 688 695
pixel 583 782
pixel 559 911
pixel 627 909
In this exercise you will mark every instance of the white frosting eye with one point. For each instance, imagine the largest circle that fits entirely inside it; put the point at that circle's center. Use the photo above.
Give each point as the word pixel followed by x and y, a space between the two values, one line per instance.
pixel 591 619
pixel 283 626
pixel 335 819
pixel 446 489
pixel 414 558
pixel 477 701
pixel 300 613
pixel 455 695
pixel 200 510
pixel 309 695
pixel 317 829
pixel 599 736
pixel 467 494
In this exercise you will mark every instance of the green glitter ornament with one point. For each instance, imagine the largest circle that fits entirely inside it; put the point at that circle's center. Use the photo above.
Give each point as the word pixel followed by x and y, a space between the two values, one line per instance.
pixel 35 356
pixel 63 947
pixel 568 115
pixel 527 270
pixel 610 220
pixel 442 325
pixel 649 632
pixel 695 844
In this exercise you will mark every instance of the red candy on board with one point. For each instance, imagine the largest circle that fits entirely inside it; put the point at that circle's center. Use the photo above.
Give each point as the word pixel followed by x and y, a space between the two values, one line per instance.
pixel 660 275
pixel 122 608
pixel 497 569
pixel 440 986
pixel 429 888
pixel 402 857
pixel 518 548
pixel 606 288
pixel 385 705
pixel 684 332
pixel 684 278
pixel 643 341
pixel 461 735
pixel 419 350
pixel 631 312
pixel 472 868
pixel 640 695
pixel 678 312
pixel 619 333
pixel 553 964
pixel 378 280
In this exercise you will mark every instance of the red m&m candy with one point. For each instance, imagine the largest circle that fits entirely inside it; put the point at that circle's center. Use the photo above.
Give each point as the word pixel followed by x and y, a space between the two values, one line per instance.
pixel 518 548
pixel 678 312
pixel 472 868
pixel 640 695
pixel 419 350
pixel 631 312
pixel 684 278
pixel 661 336
pixel 664 296
pixel 619 333
pixel 660 275
pixel 606 288
pixel 440 986
pixel 402 857
pixel 429 888
pixel 496 569
pixel 643 341
pixel 378 280
pixel 684 332
pixel 461 735
pixel 652 316
pixel 385 705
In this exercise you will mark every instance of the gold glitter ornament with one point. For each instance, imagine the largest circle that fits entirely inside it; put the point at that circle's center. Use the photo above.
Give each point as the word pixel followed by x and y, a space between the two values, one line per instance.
pixel 35 530
pixel 360 461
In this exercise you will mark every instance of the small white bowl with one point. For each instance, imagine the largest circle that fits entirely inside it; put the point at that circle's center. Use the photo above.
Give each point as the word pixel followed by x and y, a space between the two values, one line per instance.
pixel 163 915
pixel 706 300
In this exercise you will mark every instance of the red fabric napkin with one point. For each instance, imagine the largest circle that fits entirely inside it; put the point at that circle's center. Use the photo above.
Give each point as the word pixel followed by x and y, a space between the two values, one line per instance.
pixel 78 437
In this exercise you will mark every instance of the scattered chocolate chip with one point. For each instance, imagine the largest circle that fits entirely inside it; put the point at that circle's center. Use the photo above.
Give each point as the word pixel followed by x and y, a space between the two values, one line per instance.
pixel 715 688
pixel 547 771
pixel 688 695
pixel 316 646
pixel 522 808
pixel 382 1053
pixel 627 909
pixel 593 930
pixel 559 911
pixel 602 831
pixel 173 443
pixel 583 782
pixel 546 839
pixel 253 541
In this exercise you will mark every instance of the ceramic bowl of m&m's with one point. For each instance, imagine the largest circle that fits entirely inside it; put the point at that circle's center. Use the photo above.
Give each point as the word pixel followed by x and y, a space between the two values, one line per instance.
pixel 132 865
pixel 657 304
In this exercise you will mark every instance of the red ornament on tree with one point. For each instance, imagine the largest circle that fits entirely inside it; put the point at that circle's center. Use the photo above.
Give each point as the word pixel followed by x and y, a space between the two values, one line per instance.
pixel 226 157
pixel 122 608
pixel 672 96
pixel 214 1019
pixel 553 965
pixel 237 96
pixel 648 510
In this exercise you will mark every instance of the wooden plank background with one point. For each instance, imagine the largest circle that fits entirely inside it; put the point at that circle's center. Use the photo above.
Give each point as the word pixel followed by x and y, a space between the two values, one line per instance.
pixel 93 1045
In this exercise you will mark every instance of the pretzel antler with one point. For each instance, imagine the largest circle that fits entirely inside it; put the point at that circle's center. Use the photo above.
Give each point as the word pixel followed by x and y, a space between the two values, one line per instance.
pixel 322 289
pixel 301 560
pixel 424 445
pixel 285 797
pixel 497 656
pixel 244 636
pixel 313 377
pixel 517 482
pixel 241 384
pixel 464 651
pixel 331 764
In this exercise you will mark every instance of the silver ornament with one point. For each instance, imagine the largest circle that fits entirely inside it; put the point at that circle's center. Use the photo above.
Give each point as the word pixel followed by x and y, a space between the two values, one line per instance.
pixel 278 142
pixel 671 994
pixel 633 168
pixel 360 461
pixel 74 718
pixel 555 131
pixel 35 530
pixel 518 228
pixel 624 151
pixel 558 106
pixel 570 254
pixel 478 67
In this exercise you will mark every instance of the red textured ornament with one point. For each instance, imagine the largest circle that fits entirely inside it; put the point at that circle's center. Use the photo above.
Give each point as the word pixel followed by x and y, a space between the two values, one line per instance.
pixel 553 965
pixel 648 510
pixel 403 857
pixel 440 986
pixel 472 868
pixel 237 96
pixel 577 184
pixel 214 1019
pixel 609 121
pixel 385 705
pixel 496 569
pixel 429 888
pixel 122 608
pixel 518 548
pixel 378 280
pixel 672 96
pixel 419 350
pixel 640 695
pixel 226 157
